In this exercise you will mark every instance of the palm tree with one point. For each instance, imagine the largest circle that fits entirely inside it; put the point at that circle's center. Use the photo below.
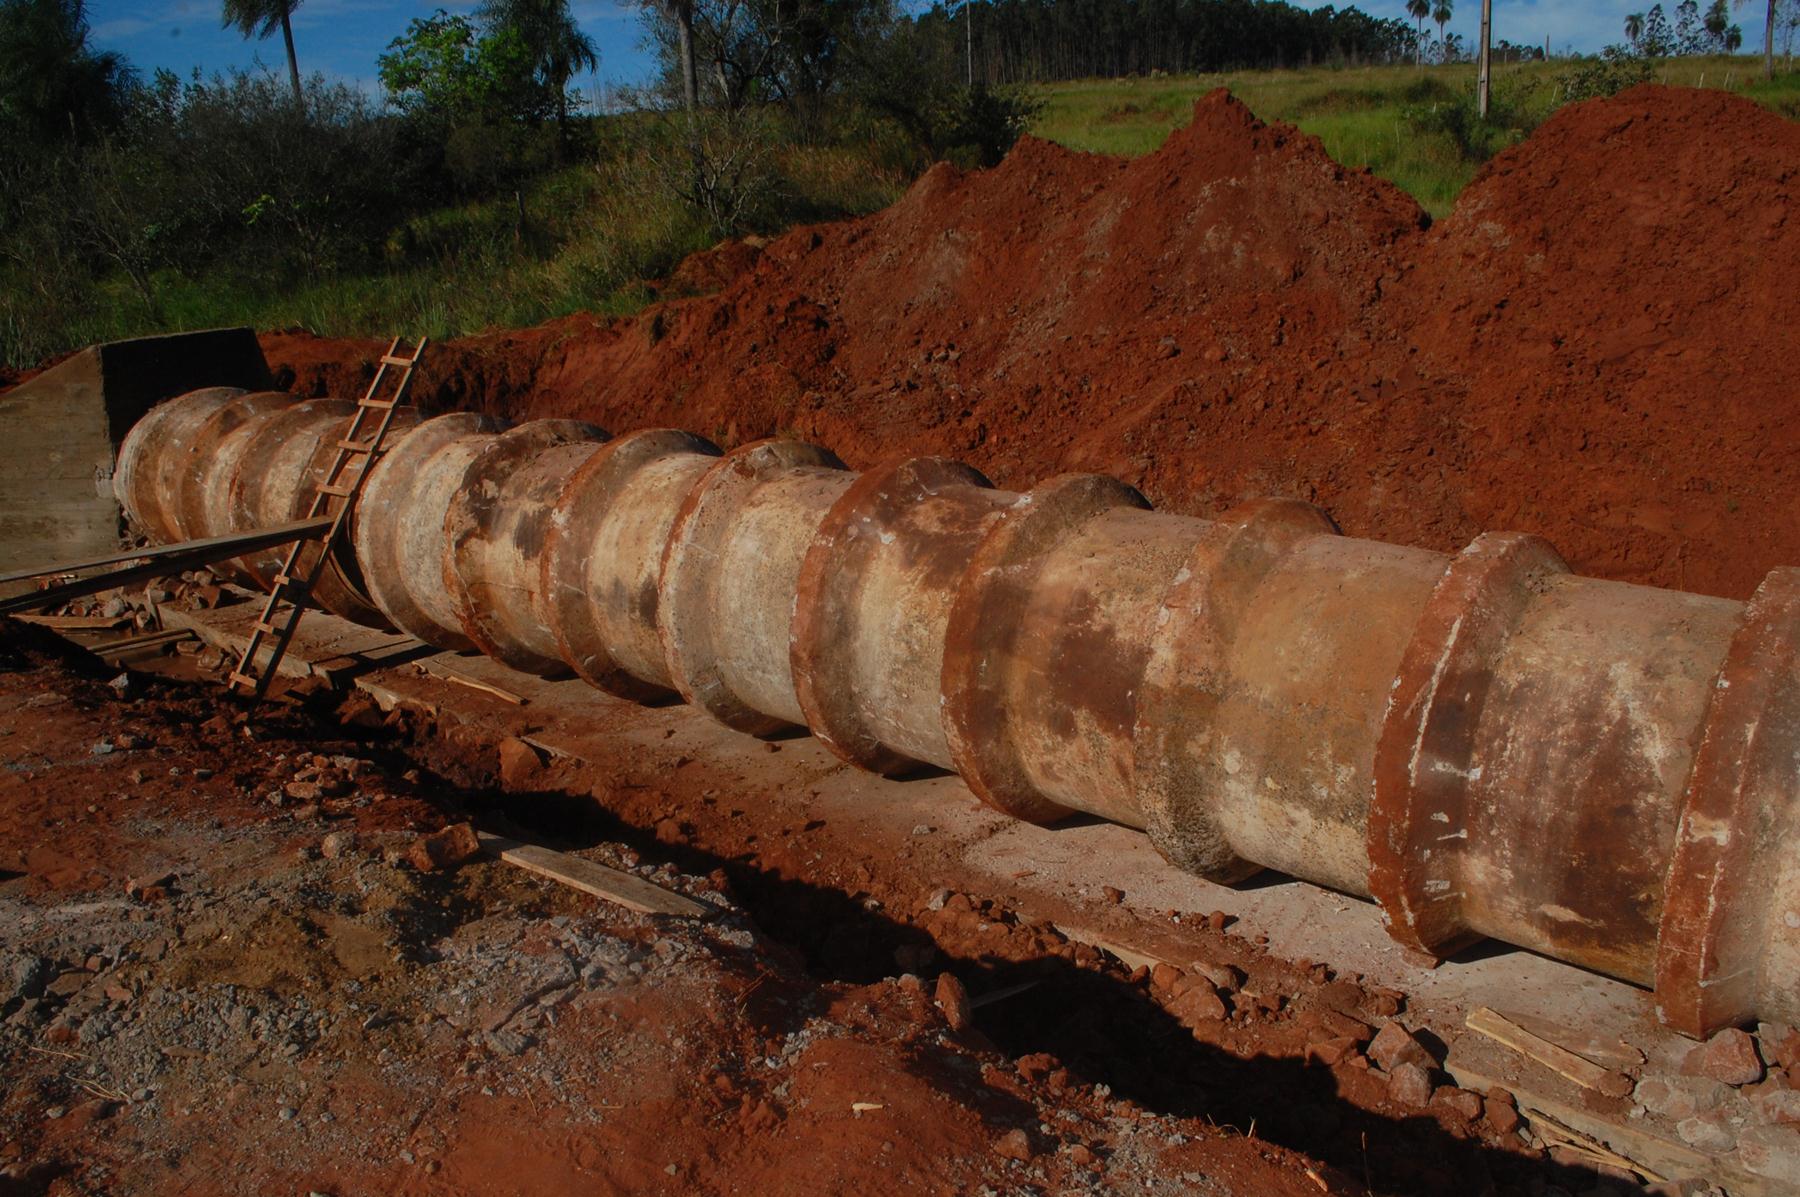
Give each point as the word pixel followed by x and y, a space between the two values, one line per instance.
pixel 1440 15
pixel 1634 28
pixel 260 18
pixel 1418 10
pixel 557 46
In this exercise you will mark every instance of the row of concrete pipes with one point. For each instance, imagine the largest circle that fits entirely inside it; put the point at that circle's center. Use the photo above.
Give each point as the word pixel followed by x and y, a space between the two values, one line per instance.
pixel 1484 743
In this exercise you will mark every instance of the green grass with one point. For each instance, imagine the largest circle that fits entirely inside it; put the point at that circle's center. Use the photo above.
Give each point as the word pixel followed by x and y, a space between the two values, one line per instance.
pixel 591 236
pixel 1360 113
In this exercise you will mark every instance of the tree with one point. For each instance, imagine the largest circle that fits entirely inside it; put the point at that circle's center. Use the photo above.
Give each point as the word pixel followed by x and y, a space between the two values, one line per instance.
pixel 1418 10
pixel 1717 21
pixel 1440 16
pixel 556 44
pixel 446 69
pixel 1657 40
pixel 1634 28
pixel 1734 38
pixel 53 85
pixel 1769 34
pixel 1688 29
pixel 259 19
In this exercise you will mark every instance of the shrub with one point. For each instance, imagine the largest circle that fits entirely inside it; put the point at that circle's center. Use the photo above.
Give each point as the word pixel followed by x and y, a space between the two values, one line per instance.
pixel 1615 69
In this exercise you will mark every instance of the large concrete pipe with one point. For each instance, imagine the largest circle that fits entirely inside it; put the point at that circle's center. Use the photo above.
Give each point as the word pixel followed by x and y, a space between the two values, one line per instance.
pixel 1484 743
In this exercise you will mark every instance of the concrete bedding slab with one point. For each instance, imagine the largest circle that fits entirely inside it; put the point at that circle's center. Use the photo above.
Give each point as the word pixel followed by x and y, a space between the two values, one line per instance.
pixel 1051 873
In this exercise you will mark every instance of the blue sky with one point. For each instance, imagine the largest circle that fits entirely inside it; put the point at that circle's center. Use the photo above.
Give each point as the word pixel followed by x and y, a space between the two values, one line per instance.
pixel 343 37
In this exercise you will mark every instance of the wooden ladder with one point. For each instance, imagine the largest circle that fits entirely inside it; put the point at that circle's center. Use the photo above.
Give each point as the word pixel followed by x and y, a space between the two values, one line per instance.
pixel 356 452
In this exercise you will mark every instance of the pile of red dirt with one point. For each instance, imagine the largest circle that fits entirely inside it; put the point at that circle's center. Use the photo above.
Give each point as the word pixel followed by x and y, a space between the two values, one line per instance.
pixel 1593 347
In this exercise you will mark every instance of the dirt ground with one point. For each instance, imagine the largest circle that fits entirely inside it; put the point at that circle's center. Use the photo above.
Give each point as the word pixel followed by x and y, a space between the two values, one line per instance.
pixel 214 987
pixel 222 972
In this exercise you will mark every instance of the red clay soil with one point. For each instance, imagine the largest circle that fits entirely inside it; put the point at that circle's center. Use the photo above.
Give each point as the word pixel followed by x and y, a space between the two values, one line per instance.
pixel 1595 346
pixel 208 986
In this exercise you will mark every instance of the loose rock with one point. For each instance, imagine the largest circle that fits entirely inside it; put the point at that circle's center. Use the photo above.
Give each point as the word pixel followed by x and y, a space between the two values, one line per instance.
pixel 1729 1057
pixel 444 849
pixel 1394 1045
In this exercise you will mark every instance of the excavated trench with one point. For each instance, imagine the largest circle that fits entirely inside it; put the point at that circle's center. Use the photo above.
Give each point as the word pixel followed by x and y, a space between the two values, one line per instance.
pixel 1484 743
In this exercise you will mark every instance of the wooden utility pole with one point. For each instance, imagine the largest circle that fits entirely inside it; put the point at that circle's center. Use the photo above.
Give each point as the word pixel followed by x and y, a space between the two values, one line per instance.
pixel 1487 40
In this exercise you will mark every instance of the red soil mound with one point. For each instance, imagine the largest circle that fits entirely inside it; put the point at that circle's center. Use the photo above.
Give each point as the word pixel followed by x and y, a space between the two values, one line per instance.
pixel 1590 348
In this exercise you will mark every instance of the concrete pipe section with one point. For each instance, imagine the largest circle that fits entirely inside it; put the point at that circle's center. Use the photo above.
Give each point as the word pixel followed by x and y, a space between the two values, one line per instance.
pixel 1483 743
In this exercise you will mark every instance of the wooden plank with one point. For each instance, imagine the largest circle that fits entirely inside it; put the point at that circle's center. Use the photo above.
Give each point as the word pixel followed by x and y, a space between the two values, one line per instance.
pixel 1649 1151
pixel 164 560
pixel 633 893
pixel 445 673
pixel 180 548
pixel 118 649
pixel 76 623
pixel 1608 1051
pixel 1585 1073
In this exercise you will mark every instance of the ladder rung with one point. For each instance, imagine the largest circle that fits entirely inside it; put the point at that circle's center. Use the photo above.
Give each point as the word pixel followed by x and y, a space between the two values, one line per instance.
pixel 263 625
pixel 383 404
pixel 239 678
pixel 367 446
pixel 341 492
pixel 389 359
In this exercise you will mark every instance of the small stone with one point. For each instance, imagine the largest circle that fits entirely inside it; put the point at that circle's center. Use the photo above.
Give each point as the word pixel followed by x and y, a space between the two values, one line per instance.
pixel 520 764
pixel 1331 1052
pixel 1503 1119
pixel 1708 1131
pixel 1223 976
pixel 1015 1144
pixel 1113 894
pixel 1198 1003
pixel 25 977
pixel 1409 1084
pixel 1679 1097
pixel 953 999
pixel 1777 1106
pixel 444 849
pixel 1729 1057
pixel 1771 1151
pixel 937 899
pixel 121 685
pixel 112 608
pixel 1783 1043
pixel 1394 1045
pixel 1461 1102
pixel 152 888
pixel 302 791
pixel 54 1112
pixel 102 748
pixel 337 844
pixel 130 741
pixel 923 829
pixel 287 1113
pixel 1165 976
pixel 507 1042
pixel 1082 1156
pixel 1218 920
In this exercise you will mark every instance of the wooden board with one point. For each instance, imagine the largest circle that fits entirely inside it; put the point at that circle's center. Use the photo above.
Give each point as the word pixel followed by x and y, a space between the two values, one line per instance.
pixel 633 893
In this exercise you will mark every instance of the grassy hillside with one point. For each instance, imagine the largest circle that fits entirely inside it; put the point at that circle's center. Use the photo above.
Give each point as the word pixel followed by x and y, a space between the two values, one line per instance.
pixel 1366 116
